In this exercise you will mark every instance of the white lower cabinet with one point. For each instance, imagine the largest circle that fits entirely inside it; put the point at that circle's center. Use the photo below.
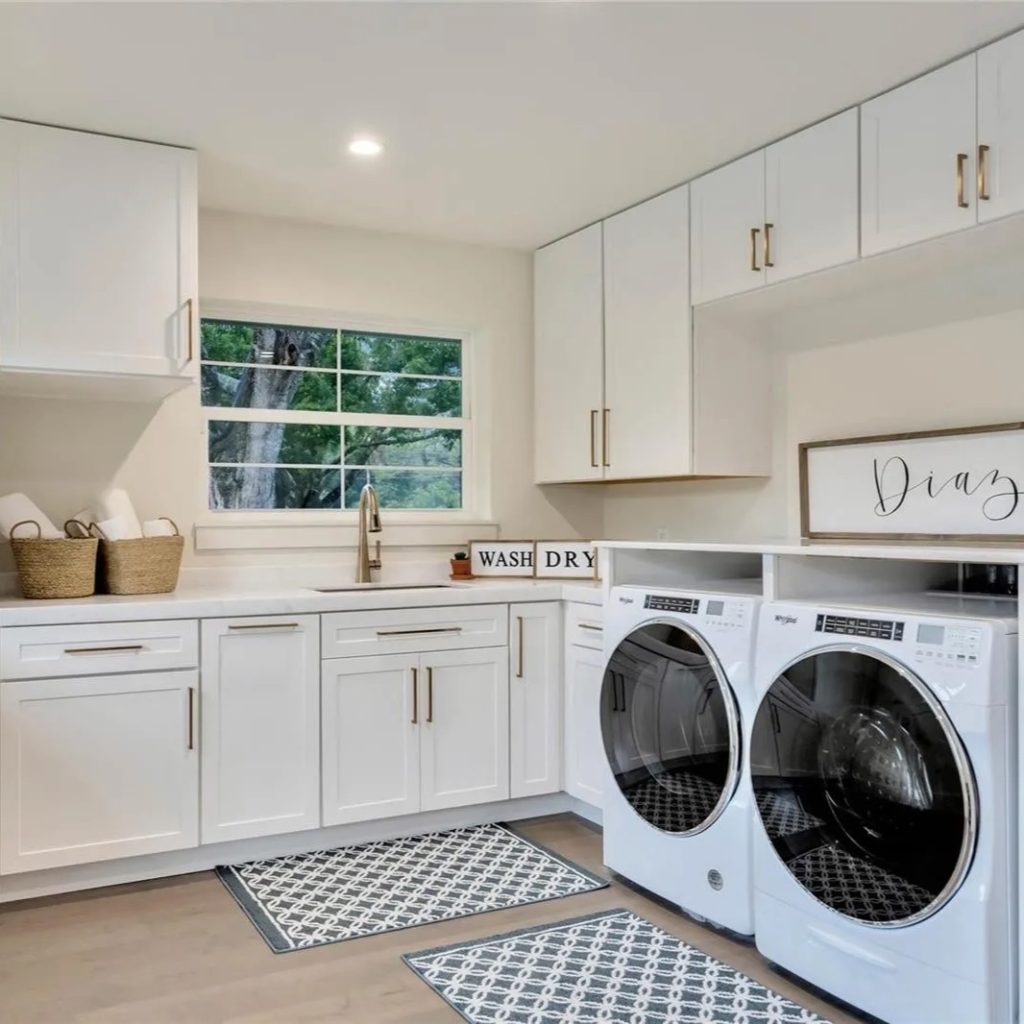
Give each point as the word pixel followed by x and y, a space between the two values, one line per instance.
pixel 404 733
pixel 535 699
pixel 371 738
pixel 95 768
pixel 585 757
pixel 260 726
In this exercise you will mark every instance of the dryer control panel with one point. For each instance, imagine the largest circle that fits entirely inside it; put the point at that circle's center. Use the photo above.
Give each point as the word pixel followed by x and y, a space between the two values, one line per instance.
pixel 946 644
pixel 665 603
pixel 848 625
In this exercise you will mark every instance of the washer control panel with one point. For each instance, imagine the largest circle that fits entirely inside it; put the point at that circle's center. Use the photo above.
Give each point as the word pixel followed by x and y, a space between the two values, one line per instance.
pixel 664 603
pixel 938 643
pixel 847 625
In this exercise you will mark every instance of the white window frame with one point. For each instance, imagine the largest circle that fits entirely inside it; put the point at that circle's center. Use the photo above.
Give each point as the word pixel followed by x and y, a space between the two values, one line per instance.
pixel 299 528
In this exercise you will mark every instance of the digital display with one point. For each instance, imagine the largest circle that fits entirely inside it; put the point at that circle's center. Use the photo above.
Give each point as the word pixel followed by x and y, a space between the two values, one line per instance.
pixel 715 607
pixel 930 634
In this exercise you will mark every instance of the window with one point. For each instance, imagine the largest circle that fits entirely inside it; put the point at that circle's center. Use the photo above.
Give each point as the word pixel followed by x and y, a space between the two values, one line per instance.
pixel 302 417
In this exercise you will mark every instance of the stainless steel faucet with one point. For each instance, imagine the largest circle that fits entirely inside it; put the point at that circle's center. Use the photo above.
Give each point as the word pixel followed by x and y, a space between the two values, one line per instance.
pixel 369 522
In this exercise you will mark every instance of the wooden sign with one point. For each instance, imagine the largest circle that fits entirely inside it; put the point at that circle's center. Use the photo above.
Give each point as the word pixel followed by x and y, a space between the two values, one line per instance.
pixel 565 560
pixel 964 484
pixel 508 558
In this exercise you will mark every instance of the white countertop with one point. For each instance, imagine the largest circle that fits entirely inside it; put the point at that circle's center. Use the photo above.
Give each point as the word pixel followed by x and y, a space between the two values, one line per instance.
pixel 914 552
pixel 229 600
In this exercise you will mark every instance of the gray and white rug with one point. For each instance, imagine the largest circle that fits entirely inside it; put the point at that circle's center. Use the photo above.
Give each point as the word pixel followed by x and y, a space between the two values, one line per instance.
pixel 332 895
pixel 608 967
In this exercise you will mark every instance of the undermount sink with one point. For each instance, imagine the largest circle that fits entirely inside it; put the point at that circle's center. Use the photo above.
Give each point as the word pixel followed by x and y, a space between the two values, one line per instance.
pixel 357 587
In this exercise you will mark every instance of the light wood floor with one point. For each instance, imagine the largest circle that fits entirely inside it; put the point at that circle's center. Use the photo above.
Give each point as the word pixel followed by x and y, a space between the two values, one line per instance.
pixel 179 950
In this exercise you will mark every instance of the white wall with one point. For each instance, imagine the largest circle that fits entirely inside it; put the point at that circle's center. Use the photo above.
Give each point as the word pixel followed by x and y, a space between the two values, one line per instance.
pixel 962 373
pixel 62 453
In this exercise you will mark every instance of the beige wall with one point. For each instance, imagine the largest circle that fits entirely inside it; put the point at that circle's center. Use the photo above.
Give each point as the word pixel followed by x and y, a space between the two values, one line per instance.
pixel 62 453
pixel 968 372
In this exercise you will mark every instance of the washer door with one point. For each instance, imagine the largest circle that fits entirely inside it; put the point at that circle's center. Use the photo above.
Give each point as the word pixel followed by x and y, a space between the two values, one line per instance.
pixel 670 728
pixel 864 787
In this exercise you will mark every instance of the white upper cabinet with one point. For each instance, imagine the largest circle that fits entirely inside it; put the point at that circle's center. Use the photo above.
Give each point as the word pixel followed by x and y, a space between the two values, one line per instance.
pixel 568 359
pixel 98 266
pixel 727 229
pixel 918 159
pixel 260 726
pixel 1001 128
pixel 811 199
pixel 646 421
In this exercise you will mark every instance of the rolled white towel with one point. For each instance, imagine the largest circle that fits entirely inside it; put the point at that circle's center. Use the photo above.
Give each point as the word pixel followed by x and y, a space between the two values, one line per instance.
pixel 115 504
pixel 158 528
pixel 116 529
pixel 17 508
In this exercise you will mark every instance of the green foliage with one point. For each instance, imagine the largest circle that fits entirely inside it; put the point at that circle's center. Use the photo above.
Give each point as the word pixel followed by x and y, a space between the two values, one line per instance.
pixel 391 353
pixel 232 341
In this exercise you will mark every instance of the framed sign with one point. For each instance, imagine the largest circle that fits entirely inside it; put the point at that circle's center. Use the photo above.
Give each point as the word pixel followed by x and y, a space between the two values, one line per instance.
pixel 565 560
pixel 508 558
pixel 963 484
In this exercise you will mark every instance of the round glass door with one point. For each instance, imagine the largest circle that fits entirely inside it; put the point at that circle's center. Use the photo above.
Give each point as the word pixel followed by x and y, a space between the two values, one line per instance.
pixel 670 728
pixel 863 787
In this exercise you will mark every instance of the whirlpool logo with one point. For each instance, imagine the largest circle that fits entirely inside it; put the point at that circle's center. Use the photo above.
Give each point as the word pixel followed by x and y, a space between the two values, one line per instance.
pixel 786 620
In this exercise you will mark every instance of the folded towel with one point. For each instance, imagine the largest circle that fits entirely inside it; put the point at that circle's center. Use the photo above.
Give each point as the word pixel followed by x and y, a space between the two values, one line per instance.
pixel 116 529
pixel 115 504
pixel 158 528
pixel 16 508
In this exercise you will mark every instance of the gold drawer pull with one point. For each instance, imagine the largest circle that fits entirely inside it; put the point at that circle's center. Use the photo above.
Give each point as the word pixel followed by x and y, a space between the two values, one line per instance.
pixel 983 193
pixel 430 695
pixel 768 245
pixel 120 649
pixel 265 625
pixel 436 631
pixel 519 670
pixel 595 629
pixel 754 232
pixel 415 697
pixel 961 163
pixel 593 439
pixel 191 718
pixel 190 307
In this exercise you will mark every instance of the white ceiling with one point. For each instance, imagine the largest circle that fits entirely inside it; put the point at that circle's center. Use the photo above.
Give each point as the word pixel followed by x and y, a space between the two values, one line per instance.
pixel 507 123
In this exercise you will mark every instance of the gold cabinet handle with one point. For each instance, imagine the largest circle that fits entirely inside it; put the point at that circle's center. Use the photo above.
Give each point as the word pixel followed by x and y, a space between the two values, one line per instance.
pixel 120 649
pixel 595 629
pixel 593 438
pixel 983 194
pixel 430 695
pixel 432 631
pixel 519 670
pixel 961 163
pixel 606 431
pixel 415 697
pixel 191 718
pixel 190 309
pixel 768 245
pixel 754 232
pixel 262 626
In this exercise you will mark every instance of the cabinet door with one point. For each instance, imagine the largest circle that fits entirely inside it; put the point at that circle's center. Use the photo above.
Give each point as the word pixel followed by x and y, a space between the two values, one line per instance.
pixel 98 271
pixel 1001 127
pixel 727 229
pixel 585 761
pixel 568 359
pixel 647 339
pixel 535 704
pixel 371 738
pixel 97 768
pixel 260 727
pixel 811 199
pixel 917 159
pixel 464 698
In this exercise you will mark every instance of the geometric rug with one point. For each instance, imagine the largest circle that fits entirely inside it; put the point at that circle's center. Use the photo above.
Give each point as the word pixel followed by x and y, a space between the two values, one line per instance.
pixel 312 899
pixel 612 966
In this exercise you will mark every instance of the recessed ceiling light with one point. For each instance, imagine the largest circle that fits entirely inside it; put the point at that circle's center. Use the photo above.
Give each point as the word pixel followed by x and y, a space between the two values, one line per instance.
pixel 365 147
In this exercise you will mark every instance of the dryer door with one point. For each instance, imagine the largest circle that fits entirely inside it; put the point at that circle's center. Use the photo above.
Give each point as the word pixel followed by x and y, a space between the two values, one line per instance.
pixel 863 786
pixel 670 727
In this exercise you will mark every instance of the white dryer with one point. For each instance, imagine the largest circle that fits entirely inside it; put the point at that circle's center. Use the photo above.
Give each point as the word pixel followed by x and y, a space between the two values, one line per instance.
pixel 675 695
pixel 883 760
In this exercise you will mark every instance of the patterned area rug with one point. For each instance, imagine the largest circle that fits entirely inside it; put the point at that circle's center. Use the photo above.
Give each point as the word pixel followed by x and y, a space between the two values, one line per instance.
pixel 332 895
pixel 613 966
pixel 857 887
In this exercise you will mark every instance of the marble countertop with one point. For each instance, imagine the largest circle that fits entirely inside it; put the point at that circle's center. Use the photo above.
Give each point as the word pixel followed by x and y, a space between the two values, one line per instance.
pixel 207 601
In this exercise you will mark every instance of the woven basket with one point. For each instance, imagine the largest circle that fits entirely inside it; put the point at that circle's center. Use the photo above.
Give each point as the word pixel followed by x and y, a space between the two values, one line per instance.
pixel 145 565
pixel 59 568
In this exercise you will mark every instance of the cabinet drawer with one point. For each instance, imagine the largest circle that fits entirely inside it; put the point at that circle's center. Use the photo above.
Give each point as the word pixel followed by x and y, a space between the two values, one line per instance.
pixel 584 625
pixel 358 634
pixel 39 652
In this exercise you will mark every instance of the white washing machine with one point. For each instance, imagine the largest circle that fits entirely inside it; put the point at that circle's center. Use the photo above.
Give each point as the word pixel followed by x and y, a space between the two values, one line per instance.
pixel 883 761
pixel 675 695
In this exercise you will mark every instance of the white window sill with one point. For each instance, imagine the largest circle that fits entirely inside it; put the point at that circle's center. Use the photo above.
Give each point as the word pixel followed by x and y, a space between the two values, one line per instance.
pixel 266 536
